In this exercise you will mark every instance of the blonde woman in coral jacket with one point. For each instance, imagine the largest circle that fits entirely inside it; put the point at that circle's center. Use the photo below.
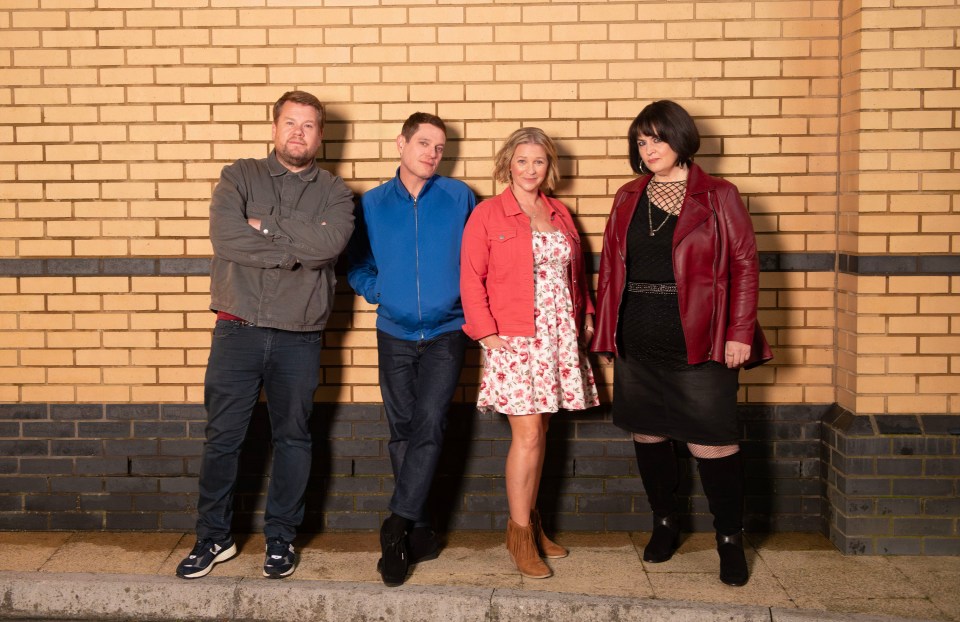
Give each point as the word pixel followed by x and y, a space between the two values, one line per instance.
pixel 525 299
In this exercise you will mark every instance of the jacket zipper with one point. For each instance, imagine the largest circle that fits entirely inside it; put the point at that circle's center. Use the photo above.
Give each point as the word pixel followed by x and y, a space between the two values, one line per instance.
pixel 623 260
pixel 416 245
pixel 716 259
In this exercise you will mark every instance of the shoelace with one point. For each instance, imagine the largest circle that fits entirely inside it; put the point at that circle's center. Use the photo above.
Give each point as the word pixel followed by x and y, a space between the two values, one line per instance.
pixel 394 543
pixel 277 549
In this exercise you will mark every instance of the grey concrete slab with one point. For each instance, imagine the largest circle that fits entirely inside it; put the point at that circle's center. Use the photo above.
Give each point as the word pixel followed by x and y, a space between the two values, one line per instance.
pixel 795 615
pixel 86 596
pixel 513 606
pixel 919 608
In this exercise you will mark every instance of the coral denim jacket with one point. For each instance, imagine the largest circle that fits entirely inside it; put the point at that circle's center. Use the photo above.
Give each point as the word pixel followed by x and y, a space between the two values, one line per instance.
pixel 714 264
pixel 496 268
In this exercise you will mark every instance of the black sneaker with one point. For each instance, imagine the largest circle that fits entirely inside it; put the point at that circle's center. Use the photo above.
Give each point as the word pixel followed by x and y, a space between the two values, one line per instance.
pixel 395 559
pixel 204 555
pixel 281 559
pixel 422 545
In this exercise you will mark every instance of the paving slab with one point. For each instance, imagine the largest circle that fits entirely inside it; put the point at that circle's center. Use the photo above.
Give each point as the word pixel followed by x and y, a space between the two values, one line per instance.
pixel 793 577
pixel 28 551
pixel 118 552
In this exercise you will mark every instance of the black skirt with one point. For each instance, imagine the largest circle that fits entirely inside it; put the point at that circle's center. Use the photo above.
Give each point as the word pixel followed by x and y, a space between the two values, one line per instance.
pixel 695 405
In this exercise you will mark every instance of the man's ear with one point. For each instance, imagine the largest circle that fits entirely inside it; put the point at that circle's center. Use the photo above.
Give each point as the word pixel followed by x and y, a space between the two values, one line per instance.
pixel 401 142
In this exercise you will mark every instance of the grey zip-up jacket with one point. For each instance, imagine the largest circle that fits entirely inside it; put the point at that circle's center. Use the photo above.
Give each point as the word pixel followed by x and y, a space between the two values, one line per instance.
pixel 281 276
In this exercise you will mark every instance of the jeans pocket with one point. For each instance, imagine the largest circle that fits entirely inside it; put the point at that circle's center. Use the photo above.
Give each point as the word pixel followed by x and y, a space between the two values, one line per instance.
pixel 312 336
pixel 224 329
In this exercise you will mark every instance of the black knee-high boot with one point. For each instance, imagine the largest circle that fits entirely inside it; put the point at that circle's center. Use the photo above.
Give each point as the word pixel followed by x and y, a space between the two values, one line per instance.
pixel 657 464
pixel 722 480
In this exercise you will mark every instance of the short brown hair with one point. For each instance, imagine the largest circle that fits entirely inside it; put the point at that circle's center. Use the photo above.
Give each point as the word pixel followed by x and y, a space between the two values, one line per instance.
pixel 299 97
pixel 527 136
pixel 414 121
pixel 669 122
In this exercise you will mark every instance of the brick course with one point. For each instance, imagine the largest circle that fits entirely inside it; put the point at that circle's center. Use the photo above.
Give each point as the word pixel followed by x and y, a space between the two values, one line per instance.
pixel 139 470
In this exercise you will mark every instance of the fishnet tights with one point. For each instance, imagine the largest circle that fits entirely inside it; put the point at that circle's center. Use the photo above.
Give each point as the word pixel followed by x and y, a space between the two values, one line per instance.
pixel 698 451
pixel 668 195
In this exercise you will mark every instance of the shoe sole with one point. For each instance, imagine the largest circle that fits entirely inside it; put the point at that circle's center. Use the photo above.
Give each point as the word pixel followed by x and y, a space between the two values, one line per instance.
pixel 279 575
pixel 659 560
pixel 390 582
pixel 735 583
pixel 224 555
pixel 535 576
pixel 426 558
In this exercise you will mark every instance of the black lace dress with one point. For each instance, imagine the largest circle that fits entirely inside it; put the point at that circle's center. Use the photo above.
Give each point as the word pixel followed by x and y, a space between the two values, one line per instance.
pixel 655 390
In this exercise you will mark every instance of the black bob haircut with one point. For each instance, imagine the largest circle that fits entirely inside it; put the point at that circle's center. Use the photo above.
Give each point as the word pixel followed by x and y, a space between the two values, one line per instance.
pixel 669 122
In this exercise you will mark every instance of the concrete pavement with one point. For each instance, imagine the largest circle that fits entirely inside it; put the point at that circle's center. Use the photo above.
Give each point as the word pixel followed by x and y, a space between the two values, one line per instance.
pixel 794 577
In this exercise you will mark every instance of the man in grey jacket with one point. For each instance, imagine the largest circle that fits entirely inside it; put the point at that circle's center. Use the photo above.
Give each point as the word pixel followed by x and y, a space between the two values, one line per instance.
pixel 277 226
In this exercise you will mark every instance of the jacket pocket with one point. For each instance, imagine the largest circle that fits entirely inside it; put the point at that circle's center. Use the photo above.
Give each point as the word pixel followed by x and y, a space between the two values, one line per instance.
pixel 258 209
pixel 502 236
pixel 504 254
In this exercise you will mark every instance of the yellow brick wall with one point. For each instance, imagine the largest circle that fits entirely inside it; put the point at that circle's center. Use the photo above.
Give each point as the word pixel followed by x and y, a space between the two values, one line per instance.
pixel 899 335
pixel 117 116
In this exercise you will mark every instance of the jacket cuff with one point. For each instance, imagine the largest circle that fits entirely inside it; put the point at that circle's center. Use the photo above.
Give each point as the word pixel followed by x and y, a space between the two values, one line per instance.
pixel 289 262
pixel 480 330
pixel 742 335
pixel 269 228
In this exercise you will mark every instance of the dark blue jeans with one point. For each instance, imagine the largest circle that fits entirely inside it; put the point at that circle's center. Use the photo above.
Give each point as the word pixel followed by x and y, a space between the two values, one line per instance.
pixel 286 365
pixel 417 381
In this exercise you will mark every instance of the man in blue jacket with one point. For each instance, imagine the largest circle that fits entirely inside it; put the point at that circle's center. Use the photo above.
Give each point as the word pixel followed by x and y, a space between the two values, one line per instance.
pixel 405 258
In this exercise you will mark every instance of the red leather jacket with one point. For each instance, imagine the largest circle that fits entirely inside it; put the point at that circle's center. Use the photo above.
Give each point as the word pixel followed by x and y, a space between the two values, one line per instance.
pixel 714 263
pixel 496 268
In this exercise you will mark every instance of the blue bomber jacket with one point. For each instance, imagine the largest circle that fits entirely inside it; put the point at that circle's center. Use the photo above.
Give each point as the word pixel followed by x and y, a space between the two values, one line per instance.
pixel 405 256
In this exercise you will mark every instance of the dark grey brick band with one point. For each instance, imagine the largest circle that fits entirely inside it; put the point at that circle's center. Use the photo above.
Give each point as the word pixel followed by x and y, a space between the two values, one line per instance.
pixel 877 484
pixel 117 266
pixel 910 265
pixel 906 265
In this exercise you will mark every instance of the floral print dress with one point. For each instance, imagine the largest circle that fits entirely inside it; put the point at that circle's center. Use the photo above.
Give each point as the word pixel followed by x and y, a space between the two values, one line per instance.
pixel 549 371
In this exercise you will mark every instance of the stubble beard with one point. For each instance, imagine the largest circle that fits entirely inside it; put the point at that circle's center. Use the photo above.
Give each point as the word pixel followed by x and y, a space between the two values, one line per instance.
pixel 297 161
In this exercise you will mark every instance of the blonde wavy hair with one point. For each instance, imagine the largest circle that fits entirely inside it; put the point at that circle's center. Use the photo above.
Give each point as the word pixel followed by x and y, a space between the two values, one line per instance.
pixel 527 136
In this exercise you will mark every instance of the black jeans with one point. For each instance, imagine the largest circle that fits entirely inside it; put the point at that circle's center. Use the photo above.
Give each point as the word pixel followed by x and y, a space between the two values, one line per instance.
pixel 417 381
pixel 243 359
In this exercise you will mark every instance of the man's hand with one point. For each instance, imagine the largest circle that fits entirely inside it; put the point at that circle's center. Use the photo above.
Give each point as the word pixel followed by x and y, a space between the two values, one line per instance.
pixel 254 222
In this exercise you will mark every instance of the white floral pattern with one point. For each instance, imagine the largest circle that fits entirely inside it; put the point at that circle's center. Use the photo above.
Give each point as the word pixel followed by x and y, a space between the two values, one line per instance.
pixel 549 371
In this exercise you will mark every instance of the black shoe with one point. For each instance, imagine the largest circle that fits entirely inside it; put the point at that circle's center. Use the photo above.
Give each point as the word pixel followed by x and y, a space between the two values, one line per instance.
pixel 664 539
pixel 395 559
pixel 281 559
pixel 733 563
pixel 422 545
pixel 204 555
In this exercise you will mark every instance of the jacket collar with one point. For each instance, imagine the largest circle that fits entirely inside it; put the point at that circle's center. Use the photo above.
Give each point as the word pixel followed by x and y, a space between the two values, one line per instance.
pixel 698 182
pixel 276 169
pixel 696 207
pixel 400 189
pixel 511 207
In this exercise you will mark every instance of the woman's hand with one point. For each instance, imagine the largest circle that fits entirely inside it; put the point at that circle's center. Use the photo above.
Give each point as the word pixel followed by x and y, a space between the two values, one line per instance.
pixel 496 342
pixel 735 353
pixel 586 333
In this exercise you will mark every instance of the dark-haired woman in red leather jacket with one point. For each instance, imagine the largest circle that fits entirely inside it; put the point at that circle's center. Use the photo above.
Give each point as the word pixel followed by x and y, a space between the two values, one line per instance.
pixel 677 309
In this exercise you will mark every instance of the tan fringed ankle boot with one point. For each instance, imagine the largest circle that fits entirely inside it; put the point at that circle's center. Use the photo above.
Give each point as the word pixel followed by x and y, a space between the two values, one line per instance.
pixel 548 548
pixel 523 550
